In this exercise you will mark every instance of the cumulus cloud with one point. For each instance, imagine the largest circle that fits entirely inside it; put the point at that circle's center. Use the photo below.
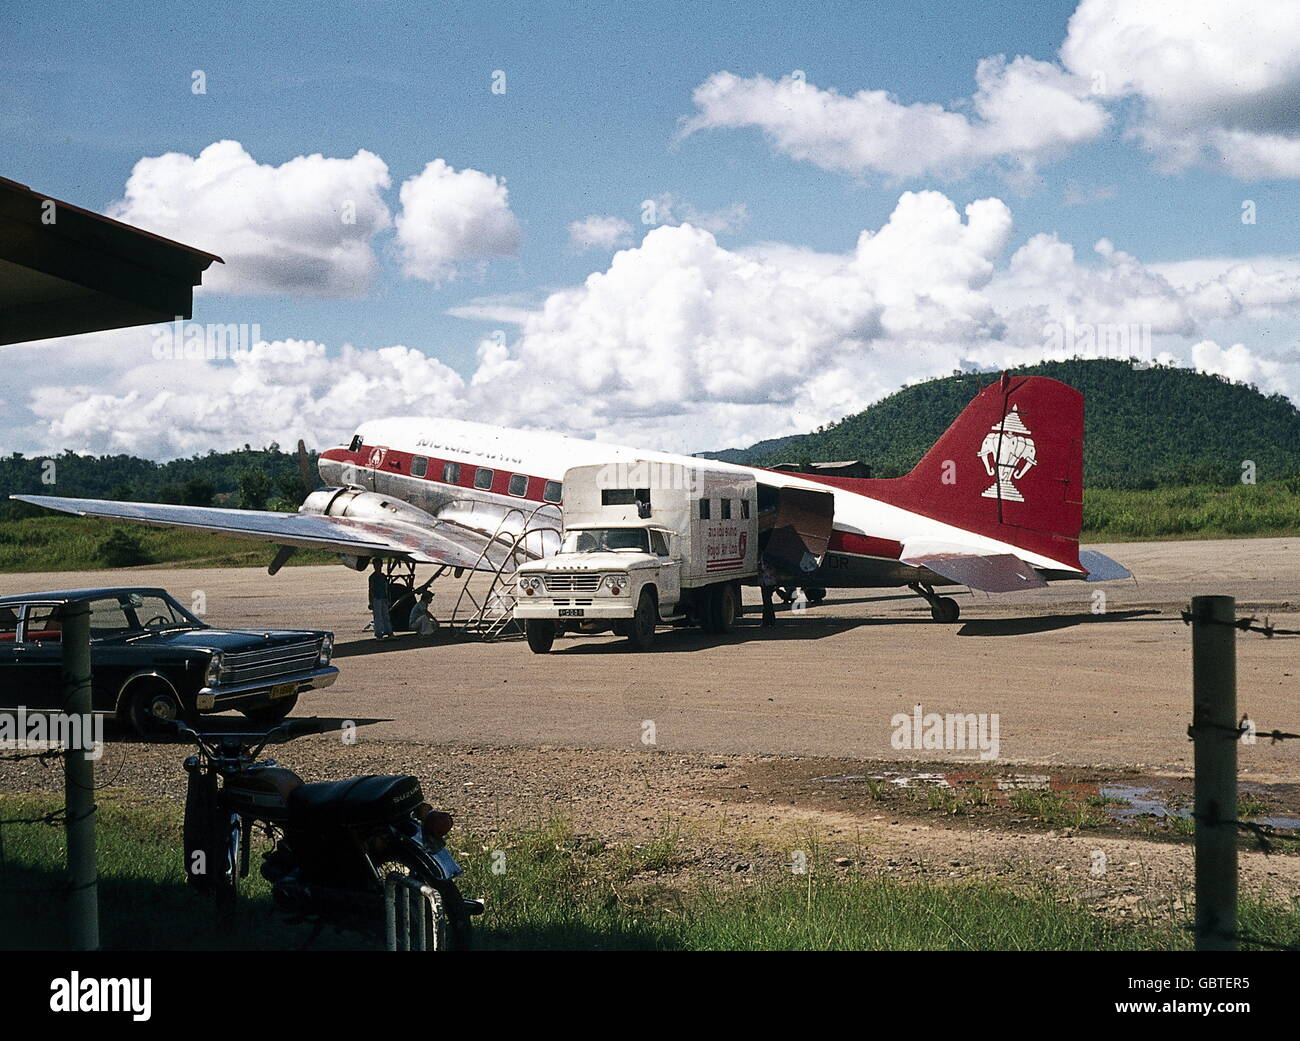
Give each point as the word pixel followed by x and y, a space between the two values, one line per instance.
pixel 684 344
pixel 1215 83
pixel 1023 113
pixel 451 217
pixel 600 232
pixel 668 209
pixel 305 226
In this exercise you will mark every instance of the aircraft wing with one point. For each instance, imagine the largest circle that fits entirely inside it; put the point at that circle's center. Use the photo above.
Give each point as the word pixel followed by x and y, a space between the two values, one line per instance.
pixel 992 573
pixel 445 542
pixel 1102 568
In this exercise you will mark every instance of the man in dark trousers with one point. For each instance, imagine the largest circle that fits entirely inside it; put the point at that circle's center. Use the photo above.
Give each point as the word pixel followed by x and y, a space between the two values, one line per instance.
pixel 379 601
pixel 767 581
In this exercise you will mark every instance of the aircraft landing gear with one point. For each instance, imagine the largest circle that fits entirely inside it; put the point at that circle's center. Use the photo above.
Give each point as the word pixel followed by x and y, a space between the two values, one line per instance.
pixel 942 608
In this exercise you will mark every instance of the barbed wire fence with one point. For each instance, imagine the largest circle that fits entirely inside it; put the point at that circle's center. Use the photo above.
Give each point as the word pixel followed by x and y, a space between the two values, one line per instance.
pixel 1216 732
pixel 80 887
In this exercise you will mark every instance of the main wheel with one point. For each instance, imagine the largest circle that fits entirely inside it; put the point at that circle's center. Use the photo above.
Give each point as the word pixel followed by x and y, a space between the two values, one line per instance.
pixel 272 711
pixel 945 609
pixel 815 594
pixel 641 632
pixel 540 633
pixel 151 705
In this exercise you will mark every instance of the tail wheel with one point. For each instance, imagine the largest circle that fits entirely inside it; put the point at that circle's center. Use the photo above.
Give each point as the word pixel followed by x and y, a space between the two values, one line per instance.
pixel 149 705
pixel 945 609
pixel 641 632
pixel 540 633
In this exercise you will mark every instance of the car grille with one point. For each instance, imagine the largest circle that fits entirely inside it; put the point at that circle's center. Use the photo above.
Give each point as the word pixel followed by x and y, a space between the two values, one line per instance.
pixel 270 663
pixel 572 582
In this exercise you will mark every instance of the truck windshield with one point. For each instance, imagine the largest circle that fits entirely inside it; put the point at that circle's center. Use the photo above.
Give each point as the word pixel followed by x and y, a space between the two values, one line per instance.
pixel 605 540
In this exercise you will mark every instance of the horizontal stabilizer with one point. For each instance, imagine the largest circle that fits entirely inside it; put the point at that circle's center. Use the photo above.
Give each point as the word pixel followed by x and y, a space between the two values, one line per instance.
pixel 1101 568
pixel 992 573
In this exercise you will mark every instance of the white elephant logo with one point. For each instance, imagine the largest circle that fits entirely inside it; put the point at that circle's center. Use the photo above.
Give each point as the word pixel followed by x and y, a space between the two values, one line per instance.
pixel 1007 453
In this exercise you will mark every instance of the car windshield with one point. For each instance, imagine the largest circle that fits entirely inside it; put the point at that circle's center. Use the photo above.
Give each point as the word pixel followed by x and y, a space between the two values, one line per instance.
pixel 605 540
pixel 130 614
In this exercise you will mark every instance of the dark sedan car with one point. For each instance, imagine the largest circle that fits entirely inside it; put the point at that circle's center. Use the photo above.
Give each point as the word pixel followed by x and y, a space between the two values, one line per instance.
pixel 151 659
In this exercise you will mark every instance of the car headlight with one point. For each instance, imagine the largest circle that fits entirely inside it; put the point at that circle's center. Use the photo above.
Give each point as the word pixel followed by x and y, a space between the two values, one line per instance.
pixel 616 584
pixel 530 584
pixel 326 649
pixel 213 675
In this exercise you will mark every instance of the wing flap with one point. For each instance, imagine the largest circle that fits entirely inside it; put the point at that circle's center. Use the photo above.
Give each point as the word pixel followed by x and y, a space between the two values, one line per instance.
pixel 992 573
pixel 448 543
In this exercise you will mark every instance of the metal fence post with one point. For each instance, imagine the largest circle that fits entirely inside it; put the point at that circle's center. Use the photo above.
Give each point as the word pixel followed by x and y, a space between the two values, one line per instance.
pixel 1214 726
pixel 79 782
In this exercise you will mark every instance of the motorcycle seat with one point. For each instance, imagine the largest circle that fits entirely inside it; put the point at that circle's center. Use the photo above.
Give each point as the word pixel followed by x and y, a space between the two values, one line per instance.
pixel 369 799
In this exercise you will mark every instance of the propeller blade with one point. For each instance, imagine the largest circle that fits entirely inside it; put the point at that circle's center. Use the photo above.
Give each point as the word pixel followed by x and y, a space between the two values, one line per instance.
pixel 304 469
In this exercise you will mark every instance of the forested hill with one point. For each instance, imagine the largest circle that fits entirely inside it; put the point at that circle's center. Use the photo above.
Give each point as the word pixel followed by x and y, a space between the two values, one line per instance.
pixel 253 478
pixel 1142 427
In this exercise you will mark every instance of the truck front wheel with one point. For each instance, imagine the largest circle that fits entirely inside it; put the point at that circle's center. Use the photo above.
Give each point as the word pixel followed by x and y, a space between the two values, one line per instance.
pixel 540 633
pixel 641 630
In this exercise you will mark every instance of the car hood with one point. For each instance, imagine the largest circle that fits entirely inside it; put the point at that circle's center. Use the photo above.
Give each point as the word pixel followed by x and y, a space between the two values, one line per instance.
pixel 226 640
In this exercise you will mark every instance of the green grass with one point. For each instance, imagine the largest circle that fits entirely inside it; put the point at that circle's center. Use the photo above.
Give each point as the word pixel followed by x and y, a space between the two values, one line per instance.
pixel 1197 511
pixel 54 543
pixel 548 888
pixel 1055 810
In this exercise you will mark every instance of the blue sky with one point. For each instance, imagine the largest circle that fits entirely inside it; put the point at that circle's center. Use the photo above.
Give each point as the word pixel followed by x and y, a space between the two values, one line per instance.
pixel 589 122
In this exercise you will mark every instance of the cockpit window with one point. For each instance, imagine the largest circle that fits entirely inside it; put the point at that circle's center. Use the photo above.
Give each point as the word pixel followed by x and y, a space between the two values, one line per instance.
pixel 356 444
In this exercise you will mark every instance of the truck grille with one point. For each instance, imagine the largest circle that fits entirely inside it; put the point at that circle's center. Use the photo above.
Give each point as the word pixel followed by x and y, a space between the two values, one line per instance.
pixel 572 582
pixel 270 663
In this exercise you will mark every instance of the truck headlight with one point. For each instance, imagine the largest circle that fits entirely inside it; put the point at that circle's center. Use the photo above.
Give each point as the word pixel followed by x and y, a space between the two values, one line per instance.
pixel 326 649
pixel 616 584
pixel 213 676
pixel 530 584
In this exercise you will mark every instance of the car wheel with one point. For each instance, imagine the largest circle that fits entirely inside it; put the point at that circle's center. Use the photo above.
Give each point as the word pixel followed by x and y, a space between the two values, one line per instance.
pixel 540 633
pixel 272 711
pixel 150 706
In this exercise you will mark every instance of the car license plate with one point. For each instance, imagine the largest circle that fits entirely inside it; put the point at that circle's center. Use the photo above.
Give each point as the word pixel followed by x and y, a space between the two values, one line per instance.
pixel 572 612
pixel 283 690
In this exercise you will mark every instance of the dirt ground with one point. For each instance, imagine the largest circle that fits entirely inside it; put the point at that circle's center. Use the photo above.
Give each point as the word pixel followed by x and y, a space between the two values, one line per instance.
pixel 752 747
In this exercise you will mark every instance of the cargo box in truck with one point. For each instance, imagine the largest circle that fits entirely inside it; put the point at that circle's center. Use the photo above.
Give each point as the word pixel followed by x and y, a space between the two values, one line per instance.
pixel 645 544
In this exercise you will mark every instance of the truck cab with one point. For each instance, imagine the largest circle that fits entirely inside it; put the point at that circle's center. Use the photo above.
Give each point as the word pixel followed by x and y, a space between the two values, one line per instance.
pixel 644 544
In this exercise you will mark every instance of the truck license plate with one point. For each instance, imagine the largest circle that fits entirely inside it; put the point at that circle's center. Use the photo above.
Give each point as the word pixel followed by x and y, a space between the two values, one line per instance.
pixel 572 612
pixel 283 690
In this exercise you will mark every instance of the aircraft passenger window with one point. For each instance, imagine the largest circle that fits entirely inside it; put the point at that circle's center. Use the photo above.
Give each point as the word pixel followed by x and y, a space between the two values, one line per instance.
pixel 419 466
pixel 483 478
pixel 356 443
pixel 726 509
pixel 518 484
pixel 744 509
pixel 451 473
pixel 553 491
pixel 704 509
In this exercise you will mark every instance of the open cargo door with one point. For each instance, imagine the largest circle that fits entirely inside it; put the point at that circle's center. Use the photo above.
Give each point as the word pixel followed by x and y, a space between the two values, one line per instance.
pixel 794 528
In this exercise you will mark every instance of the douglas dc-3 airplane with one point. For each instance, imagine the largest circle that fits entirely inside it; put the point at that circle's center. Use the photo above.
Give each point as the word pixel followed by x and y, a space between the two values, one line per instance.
pixel 995 505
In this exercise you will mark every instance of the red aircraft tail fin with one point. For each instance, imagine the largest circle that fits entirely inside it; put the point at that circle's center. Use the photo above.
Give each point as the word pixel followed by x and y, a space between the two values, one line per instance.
pixel 1010 467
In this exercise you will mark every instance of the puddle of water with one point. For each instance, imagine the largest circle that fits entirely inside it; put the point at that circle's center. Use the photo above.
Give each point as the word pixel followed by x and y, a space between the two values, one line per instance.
pixel 1138 802
pixel 1281 823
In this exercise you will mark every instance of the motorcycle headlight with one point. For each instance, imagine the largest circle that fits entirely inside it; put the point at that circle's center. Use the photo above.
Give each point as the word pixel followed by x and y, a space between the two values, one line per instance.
pixel 616 584
pixel 326 649
pixel 213 675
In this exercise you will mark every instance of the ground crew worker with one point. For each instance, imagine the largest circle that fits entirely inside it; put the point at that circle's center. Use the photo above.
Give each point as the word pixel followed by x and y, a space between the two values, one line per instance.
pixel 767 581
pixel 422 621
pixel 378 587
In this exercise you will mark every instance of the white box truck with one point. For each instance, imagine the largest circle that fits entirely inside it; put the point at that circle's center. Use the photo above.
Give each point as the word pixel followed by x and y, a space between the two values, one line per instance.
pixel 645 543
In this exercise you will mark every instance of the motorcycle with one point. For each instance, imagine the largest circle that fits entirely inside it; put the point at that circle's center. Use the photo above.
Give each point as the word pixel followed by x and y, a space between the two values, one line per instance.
pixel 333 842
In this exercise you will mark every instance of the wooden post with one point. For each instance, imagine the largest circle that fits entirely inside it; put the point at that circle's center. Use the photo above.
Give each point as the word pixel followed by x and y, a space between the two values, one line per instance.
pixel 79 782
pixel 1214 721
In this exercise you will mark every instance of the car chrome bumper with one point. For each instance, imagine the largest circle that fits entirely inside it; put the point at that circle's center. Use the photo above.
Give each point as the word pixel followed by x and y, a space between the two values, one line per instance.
pixel 600 607
pixel 221 696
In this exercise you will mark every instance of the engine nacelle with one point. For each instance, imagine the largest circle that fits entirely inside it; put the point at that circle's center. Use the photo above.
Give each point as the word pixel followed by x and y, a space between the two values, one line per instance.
pixel 358 504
